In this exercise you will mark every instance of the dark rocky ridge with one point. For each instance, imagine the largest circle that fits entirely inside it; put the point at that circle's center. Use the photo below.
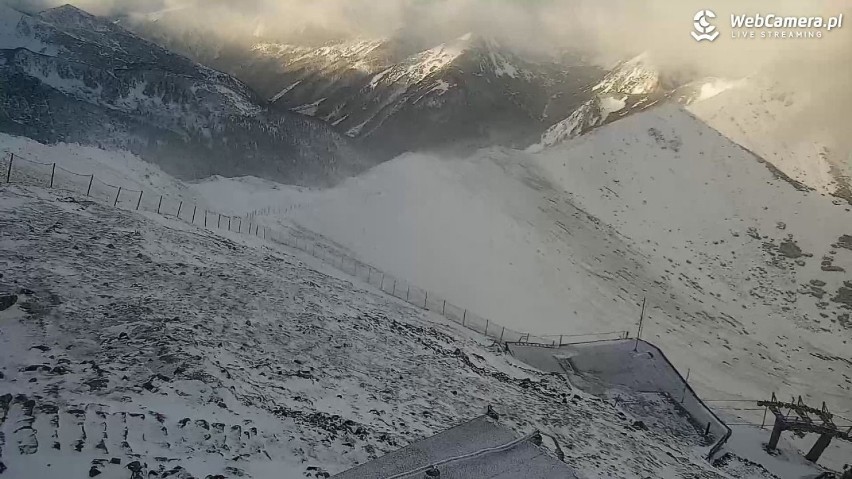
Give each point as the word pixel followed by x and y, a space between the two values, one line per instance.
pixel 68 76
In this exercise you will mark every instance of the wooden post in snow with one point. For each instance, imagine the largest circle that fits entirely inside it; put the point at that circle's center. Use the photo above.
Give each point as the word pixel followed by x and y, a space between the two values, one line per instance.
pixel 9 171
pixel 639 332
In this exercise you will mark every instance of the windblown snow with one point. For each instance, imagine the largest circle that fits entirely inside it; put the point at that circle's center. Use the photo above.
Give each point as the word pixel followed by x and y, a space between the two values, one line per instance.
pixel 745 270
pixel 205 354
pixel 141 346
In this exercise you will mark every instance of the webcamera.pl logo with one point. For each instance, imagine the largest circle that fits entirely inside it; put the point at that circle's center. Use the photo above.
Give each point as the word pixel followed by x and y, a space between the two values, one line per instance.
pixel 704 30
pixel 765 26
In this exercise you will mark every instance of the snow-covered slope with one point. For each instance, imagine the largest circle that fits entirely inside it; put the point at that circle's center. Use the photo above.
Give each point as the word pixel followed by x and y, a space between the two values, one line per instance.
pixel 765 117
pixel 745 272
pixel 760 266
pixel 636 76
pixel 474 231
pixel 588 116
pixel 208 313
pixel 630 87
pixel 117 167
pixel 211 356
pixel 71 76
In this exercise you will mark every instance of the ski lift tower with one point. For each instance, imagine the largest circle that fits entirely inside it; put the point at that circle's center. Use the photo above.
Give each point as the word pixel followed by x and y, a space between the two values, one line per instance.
pixel 804 419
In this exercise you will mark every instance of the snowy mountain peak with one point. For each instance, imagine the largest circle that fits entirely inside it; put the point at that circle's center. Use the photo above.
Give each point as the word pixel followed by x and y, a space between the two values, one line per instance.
pixel 636 76
pixel 67 10
pixel 69 15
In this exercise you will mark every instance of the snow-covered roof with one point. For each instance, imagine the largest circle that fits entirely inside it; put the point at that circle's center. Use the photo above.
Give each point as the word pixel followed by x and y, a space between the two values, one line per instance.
pixel 480 448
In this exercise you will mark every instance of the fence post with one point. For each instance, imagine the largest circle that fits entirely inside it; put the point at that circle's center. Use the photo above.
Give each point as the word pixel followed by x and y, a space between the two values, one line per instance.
pixel 560 340
pixel 219 222
pixel 486 328
pixel 501 333
pixel 229 223
pixel 382 285
pixel 89 189
pixel 707 431
pixel 240 227
pixel 160 204
pixel 180 207
pixel 425 300
pixel 116 196
pixel 407 292
pixel 9 171
pixel 639 331
pixel 444 308
pixel 369 272
pixel 464 317
pixel 139 201
pixel 52 174
pixel 205 218
pixel 194 208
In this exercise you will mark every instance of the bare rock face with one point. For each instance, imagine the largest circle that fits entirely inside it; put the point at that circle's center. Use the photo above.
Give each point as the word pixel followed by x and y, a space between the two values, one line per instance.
pixel 845 241
pixel 7 301
pixel 790 249
pixel 844 294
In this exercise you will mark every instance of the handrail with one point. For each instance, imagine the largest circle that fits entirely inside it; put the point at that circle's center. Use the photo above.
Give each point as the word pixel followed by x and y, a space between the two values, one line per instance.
pixel 728 431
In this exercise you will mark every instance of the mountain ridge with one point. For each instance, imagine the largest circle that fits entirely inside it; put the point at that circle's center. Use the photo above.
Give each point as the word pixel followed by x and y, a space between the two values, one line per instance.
pixel 130 93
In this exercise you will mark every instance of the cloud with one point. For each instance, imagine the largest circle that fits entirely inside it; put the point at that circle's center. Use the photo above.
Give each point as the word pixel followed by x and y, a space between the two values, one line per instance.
pixel 604 30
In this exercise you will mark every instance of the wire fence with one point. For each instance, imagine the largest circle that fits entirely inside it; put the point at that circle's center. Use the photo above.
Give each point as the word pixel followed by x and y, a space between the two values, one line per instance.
pixel 309 242
pixel 21 170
